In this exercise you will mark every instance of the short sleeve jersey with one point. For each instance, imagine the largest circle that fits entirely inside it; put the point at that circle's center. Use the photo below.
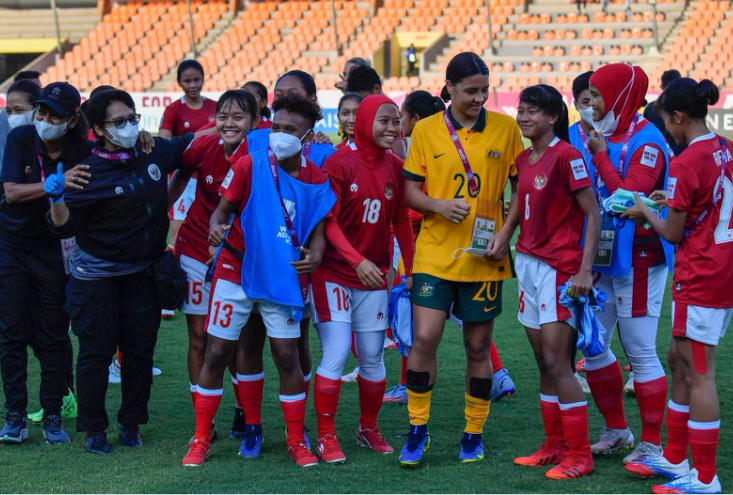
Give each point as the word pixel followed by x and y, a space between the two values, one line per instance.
pixel 205 157
pixel 491 147
pixel 179 118
pixel 367 200
pixel 702 274
pixel 236 189
pixel 550 218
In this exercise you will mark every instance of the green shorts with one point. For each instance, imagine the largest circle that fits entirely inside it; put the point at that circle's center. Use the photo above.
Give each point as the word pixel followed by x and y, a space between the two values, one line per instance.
pixel 470 301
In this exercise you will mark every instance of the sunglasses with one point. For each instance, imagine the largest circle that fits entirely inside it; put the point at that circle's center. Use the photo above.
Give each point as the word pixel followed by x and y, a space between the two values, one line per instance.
pixel 122 122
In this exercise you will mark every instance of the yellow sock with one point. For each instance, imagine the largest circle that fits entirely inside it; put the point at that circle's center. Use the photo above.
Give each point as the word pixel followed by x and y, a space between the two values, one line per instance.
pixel 418 407
pixel 477 410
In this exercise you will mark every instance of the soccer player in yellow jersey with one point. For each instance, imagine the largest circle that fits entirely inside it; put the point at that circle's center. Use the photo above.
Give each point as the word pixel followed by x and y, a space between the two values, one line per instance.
pixel 463 157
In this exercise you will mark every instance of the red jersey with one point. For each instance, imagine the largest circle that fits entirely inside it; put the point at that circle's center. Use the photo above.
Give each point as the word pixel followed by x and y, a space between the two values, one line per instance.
pixel 179 118
pixel 236 189
pixel 550 218
pixel 702 274
pixel 369 201
pixel 205 157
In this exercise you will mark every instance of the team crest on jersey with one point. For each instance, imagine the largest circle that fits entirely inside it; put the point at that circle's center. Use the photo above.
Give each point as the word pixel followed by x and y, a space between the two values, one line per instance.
pixel 426 290
pixel 380 316
pixel 354 187
pixel 678 287
pixel 291 322
pixel 118 190
pixel 543 307
pixel 209 179
pixel 154 172
pixel 388 191
pixel 493 154
pixel 540 181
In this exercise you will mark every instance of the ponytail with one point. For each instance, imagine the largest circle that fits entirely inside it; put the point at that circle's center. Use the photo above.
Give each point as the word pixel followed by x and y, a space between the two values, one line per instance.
pixel 422 104
pixel 688 96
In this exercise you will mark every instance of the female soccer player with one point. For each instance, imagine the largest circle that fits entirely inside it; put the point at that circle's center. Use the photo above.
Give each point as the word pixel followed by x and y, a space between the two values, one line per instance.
pixel 349 290
pixel 120 222
pixel 189 114
pixel 208 157
pixel 628 153
pixel 283 199
pixel 554 197
pixel 32 268
pixel 459 163
pixel 259 91
pixel 699 199
pixel 347 117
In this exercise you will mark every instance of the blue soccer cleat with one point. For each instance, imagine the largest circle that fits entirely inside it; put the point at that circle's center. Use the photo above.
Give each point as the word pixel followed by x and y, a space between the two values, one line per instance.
pixel 418 441
pixel 237 432
pixel 252 442
pixel 96 443
pixel 472 448
pixel 130 437
pixel 15 430
pixel 502 385
pixel 53 430
pixel 397 394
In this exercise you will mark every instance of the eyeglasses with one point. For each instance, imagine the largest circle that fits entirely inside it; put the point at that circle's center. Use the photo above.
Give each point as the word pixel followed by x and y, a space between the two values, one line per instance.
pixel 122 122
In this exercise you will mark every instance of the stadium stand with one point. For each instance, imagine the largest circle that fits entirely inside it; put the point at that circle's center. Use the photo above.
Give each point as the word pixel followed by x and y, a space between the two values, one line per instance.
pixel 138 44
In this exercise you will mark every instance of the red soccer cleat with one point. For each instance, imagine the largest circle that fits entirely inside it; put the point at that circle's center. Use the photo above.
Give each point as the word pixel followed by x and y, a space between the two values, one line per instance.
pixel 546 454
pixel 329 450
pixel 370 438
pixel 302 456
pixel 198 451
pixel 573 466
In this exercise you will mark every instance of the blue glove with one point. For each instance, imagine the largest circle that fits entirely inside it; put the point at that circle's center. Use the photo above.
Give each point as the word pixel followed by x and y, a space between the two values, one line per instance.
pixel 54 186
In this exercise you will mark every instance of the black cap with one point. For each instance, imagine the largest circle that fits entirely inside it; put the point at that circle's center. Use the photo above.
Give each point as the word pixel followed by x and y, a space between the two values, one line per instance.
pixel 61 97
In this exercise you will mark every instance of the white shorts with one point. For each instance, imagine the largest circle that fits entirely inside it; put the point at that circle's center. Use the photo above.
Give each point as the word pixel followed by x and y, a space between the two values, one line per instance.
pixel 197 297
pixel 230 310
pixel 704 325
pixel 538 285
pixel 364 310
pixel 635 296
pixel 181 207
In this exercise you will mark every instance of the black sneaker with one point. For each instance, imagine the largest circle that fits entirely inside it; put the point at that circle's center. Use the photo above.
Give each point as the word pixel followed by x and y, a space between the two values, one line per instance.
pixel 130 436
pixel 53 430
pixel 237 431
pixel 15 430
pixel 96 443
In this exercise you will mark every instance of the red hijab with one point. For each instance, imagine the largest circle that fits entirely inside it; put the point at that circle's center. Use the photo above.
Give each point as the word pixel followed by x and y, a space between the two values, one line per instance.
pixel 623 86
pixel 364 128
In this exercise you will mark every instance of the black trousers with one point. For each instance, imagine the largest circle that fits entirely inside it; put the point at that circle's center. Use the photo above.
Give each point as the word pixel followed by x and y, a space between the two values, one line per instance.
pixel 107 314
pixel 32 285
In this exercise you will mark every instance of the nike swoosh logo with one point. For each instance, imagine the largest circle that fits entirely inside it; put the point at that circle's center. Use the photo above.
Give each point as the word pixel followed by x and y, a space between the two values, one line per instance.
pixel 435 157
pixel 489 310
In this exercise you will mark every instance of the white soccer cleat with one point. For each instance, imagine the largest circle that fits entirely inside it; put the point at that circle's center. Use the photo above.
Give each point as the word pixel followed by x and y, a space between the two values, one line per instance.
pixel 643 450
pixel 689 484
pixel 629 387
pixel 612 440
pixel 351 377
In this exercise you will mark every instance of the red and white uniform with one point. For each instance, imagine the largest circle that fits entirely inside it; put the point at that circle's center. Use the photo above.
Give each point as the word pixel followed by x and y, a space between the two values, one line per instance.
pixel 701 290
pixel 551 222
pixel 179 118
pixel 230 306
pixel 369 201
pixel 205 157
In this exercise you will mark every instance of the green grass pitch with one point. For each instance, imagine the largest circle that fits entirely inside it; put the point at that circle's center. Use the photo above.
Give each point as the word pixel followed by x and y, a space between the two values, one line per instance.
pixel 514 427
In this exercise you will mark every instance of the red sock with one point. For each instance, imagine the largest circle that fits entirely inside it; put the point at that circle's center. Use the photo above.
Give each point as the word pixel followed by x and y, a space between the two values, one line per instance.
pixel 294 412
pixel 235 386
pixel 326 393
pixel 403 371
pixel 370 399
pixel 704 445
pixel 495 359
pixel 552 419
pixel 575 427
pixel 677 416
pixel 207 402
pixel 652 397
pixel 307 384
pixel 250 393
pixel 193 389
pixel 607 388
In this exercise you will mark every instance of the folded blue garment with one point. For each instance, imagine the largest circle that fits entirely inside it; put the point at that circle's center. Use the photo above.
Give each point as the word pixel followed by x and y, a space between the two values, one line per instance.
pixel 590 330
pixel 400 317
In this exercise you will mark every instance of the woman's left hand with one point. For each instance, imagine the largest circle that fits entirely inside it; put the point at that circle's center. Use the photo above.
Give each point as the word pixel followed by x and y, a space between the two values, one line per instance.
pixel 498 247
pixel 308 264
pixel 581 284
pixel 597 143
pixel 146 142
pixel 637 212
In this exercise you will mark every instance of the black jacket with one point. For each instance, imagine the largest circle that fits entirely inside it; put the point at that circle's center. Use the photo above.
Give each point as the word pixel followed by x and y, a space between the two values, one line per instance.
pixel 122 214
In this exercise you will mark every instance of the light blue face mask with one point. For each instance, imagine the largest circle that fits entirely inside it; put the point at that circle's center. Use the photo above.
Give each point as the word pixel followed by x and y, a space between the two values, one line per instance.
pixel 50 132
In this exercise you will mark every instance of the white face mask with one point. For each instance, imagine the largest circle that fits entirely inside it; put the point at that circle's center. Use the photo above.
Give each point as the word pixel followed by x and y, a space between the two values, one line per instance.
pixel 125 137
pixel 608 124
pixel 285 145
pixel 20 119
pixel 586 115
pixel 50 132
pixel 458 253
